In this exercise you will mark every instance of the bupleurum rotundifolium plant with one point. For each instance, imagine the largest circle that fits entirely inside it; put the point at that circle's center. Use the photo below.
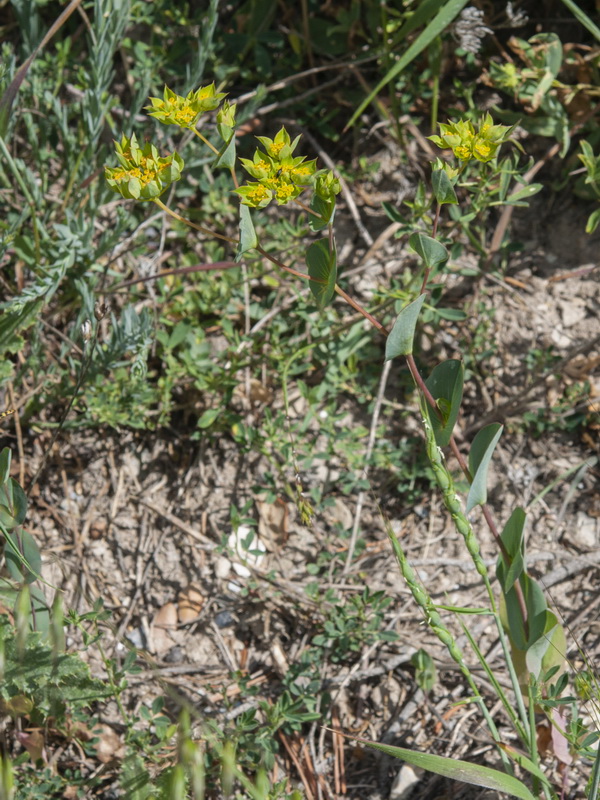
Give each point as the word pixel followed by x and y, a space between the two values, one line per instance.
pixel 532 639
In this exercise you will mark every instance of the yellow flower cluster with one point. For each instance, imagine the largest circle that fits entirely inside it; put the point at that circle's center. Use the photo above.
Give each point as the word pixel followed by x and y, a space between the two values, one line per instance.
pixel 172 109
pixel 468 142
pixel 142 174
pixel 279 175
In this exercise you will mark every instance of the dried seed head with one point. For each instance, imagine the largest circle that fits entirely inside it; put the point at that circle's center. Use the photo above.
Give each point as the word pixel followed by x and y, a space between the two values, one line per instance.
pixel 516 18
pixel 470 30
pixel 86 330
pixel 101 309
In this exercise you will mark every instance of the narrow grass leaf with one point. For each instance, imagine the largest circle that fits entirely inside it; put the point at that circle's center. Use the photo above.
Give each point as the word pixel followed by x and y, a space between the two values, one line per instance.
pixel 458 770
pixel 322 268
pixel 8 98
pixel 594 783
pixel 583 18
pixel 446 385
pixel 445 16
pixel 422 13
pixel 5 457
pixel 22 556
pixel 525 763
pixel 523 194
pixel 480 456
pixel 400 340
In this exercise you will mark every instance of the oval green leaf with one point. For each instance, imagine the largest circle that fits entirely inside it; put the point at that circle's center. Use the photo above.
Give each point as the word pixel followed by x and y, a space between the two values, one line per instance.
pixel 512 538
pixel 5 457
pixel 524 193
pixel 23 557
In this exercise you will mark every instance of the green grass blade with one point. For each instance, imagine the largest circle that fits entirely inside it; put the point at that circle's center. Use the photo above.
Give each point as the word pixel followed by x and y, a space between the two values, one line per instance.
pixel 441 21
pixel 594 786
pixel 7 99
pixel 456 769
pixel 425 11
pixel 583 18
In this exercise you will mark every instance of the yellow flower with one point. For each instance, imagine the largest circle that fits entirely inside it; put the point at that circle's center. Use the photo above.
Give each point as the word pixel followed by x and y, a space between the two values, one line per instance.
pixel 138 177
pixel 284 191
pixel 276 148
pixel 482 149
pixel 258 193
pixel 172 109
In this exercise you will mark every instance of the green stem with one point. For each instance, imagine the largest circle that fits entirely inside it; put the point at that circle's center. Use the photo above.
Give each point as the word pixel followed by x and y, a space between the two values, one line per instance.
pixel 205 231
pixel 205 140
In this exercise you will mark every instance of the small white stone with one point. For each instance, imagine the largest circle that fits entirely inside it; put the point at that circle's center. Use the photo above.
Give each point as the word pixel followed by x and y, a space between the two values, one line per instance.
pixel 404 783
pixel 241 570
pixel 585 533
pixel 222 567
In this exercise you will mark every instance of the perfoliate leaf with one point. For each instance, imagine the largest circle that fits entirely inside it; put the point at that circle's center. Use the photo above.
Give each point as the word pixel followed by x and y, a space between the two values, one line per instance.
pixel 512 538
pixel 325 209
pixel 442 187
pixel 322 268
pixel 430 250
pixel 446 385
pixel 227 156
pixel 400 340
pixel 248 237
pixel 480 456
